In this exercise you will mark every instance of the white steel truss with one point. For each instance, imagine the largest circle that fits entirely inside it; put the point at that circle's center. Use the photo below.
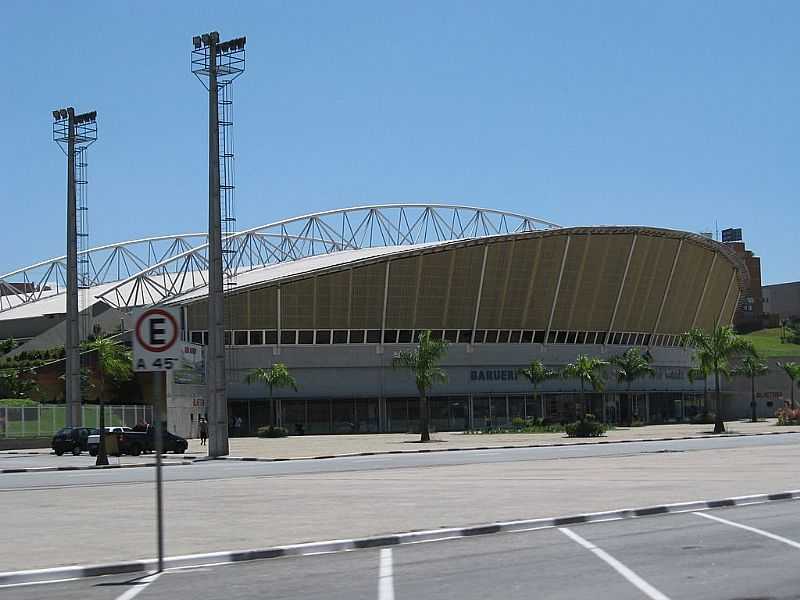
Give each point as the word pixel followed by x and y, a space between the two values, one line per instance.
pixel 153 270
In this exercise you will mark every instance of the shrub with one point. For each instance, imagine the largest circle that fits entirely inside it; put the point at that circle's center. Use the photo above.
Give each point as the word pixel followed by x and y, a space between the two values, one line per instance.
pixel 586 427
pixel 788 416
pixel 272 432
pixel 17 402
pixel 519 423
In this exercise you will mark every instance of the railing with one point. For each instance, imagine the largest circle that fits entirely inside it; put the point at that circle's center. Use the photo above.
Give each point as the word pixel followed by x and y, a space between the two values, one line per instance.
pixel 46 419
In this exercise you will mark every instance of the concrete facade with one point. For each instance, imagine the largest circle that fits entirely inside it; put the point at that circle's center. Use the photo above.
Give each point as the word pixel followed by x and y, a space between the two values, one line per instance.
pixel 782 299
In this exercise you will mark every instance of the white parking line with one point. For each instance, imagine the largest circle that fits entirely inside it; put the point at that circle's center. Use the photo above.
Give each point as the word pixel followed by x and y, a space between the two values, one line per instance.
pixel 385 576
pixel 627 573
pixel 772 536
pixel 140 586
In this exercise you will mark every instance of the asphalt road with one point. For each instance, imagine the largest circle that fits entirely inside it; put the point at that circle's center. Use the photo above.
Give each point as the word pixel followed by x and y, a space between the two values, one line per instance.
pixel 739 553
pixel 216 470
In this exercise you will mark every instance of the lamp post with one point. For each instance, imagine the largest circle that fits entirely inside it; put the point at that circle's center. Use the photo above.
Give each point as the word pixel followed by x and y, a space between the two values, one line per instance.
pixel 217 64
pixel 74 133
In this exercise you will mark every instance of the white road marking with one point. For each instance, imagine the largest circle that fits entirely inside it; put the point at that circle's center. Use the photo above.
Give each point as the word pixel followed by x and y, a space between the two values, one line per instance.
pixel 627 573
pixel 385 576
pixel 772 536
pixel 139 587
pixel 46 581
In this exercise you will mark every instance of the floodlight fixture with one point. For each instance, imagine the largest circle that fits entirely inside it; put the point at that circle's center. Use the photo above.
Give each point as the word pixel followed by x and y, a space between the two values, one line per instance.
pixel 56 115
pixel 197 41
pixel 64 113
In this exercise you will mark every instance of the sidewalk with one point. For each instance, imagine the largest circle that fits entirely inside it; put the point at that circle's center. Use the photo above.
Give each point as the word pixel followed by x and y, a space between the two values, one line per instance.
pixel 335 445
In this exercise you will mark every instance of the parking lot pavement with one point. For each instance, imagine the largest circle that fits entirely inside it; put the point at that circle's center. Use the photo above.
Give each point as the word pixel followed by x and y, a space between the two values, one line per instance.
pixel 270 504
pixel 742 552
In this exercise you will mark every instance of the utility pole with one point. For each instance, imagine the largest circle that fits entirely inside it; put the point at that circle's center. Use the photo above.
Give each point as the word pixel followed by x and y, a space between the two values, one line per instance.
pixel 74 133
pixel 221 63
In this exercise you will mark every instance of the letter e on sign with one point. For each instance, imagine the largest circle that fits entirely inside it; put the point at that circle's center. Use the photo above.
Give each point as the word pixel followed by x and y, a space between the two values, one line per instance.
pixel 155 340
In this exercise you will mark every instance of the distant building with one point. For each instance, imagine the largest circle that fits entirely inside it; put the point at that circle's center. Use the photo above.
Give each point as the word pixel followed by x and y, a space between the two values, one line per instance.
pixel 782 299
pixel 749 314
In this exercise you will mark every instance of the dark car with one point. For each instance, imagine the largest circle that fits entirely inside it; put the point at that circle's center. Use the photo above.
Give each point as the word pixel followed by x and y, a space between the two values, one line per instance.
pixel 72 439
pixel 174 443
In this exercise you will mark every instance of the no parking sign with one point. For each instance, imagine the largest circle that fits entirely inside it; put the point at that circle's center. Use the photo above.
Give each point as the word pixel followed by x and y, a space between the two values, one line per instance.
pixel 156 340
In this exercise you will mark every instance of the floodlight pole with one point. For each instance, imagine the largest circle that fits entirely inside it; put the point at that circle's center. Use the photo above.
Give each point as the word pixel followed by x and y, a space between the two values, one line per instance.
pixel 72 351
pixel 221 62
pixel 217 396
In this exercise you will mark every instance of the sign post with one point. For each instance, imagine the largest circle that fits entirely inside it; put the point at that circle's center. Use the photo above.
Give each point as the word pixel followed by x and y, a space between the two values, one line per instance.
pixel 157 349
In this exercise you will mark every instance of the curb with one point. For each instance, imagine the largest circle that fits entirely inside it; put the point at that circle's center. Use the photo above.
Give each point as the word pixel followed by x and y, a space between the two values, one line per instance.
pixel 396 539
pixel 92 467
pixel 473 448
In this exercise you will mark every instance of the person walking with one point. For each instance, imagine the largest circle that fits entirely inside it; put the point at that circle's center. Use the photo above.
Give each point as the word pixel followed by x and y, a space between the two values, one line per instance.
pixel 203 431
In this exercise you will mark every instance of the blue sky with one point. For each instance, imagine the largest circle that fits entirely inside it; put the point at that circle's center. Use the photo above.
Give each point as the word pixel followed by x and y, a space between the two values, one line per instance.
pixel 673 114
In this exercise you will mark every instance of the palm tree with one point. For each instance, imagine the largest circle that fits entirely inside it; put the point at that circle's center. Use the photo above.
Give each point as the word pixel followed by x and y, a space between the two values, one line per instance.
pixel 630 366
pixel 537 374
pixel 792 369
pixel 752 367
pixel 423 362
pixel 588 369
pixel 695 373
pixel 714 350
pixel 113 363
pixel 277 376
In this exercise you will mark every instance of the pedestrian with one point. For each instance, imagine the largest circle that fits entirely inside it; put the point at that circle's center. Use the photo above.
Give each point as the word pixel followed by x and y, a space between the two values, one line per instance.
pixel 203 431
pixel 238 426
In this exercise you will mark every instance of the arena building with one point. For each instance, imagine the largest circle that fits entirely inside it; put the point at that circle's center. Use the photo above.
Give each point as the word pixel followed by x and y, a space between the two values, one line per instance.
pixel 335 295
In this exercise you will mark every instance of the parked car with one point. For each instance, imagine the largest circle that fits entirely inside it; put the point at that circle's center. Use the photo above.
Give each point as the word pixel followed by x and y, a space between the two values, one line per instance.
pixel 72 439
pixel 174 443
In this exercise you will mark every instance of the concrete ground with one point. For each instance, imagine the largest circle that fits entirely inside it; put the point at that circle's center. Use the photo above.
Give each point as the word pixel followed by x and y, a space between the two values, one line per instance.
pixel 100 516
pixel 321 445
pixel 744 552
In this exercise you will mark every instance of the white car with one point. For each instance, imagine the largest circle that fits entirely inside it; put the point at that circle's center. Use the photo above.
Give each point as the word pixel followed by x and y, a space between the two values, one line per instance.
pixel 95 439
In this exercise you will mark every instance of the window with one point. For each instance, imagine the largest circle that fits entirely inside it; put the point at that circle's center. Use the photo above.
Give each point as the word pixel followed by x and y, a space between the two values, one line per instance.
pixel 305 336
pixel 572 337
pixel 479 335
pixel 464 336
pixel 197 337
pixel 451 335
pixel 256 338
pixel 227 338
pixel 357 336
pixel 539 337
pixel 562 337
pixel 390 336
pixel 491 336
pixel 502 338
pixel 340 336
pixel 436 334
pixel 527 337
pixel 205 338
pixel 324 336
pixel 404 337
pixel 240 338
pixel 289 337
pixel 271 337
pixel 515 337
pixel 374 336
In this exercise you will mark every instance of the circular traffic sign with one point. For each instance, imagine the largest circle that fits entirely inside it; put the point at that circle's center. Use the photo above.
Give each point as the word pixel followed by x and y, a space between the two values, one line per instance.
pixel 156 330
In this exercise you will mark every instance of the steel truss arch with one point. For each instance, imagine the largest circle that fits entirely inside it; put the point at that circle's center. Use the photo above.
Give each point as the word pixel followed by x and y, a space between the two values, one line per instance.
pixel 180 264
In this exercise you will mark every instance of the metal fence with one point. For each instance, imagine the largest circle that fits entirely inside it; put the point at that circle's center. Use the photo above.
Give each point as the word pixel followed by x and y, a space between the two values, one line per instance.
pixel 44 420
